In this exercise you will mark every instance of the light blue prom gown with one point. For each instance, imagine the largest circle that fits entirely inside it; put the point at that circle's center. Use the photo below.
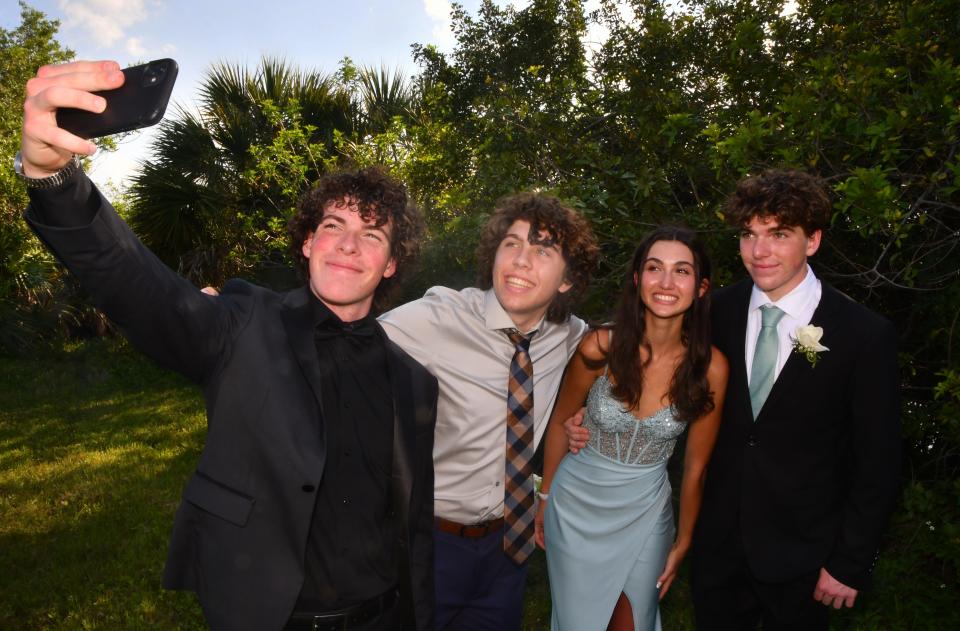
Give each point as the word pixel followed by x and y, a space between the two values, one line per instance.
pixel 608 524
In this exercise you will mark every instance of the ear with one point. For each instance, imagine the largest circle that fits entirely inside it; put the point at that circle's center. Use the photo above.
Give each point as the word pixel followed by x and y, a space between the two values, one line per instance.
pixel 636 279
pixel 813 242
pixel 307 246
pixel 704 287
pixel 565 287
pixel 391 268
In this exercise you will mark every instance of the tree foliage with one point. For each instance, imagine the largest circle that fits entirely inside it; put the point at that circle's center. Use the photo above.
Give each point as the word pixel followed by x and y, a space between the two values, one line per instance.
pixel 29 298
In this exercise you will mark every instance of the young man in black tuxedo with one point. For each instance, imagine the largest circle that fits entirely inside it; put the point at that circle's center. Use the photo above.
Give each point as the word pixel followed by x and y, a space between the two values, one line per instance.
pixel 805 471
pixel 312 504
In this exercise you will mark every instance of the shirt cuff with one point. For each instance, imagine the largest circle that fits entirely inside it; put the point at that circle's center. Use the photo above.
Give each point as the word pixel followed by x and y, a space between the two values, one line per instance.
pixel 72 205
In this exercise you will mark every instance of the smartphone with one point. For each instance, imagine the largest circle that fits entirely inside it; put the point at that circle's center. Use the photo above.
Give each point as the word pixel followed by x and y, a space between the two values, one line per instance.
pixel 139 102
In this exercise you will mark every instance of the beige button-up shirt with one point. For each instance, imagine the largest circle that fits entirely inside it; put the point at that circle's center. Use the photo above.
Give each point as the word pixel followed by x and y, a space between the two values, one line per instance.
pixel 459 337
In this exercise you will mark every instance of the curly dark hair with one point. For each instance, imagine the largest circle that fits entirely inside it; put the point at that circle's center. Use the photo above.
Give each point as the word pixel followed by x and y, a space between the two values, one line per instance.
pixel 689 389
pixel 793 198
pixel 564 226
pixel 378 197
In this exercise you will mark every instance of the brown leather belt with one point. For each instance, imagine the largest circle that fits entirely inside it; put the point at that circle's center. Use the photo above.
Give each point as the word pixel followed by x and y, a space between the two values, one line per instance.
pixel 468 531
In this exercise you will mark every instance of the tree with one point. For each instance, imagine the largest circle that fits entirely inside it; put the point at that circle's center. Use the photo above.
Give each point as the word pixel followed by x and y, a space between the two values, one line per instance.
pixel 213 199
pixel 30 301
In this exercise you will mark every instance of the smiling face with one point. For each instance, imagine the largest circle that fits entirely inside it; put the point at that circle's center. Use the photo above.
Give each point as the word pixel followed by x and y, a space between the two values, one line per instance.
pixel 776 256
pixel 667 281
pixel 347 259
pixel 527 276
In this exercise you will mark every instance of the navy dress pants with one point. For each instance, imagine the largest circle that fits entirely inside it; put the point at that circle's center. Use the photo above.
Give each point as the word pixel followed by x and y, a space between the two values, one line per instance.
pixel 479 588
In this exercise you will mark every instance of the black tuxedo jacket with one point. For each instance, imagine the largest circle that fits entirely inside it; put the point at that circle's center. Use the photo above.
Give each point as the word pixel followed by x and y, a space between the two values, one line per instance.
pixel 811 482
pixel 240 532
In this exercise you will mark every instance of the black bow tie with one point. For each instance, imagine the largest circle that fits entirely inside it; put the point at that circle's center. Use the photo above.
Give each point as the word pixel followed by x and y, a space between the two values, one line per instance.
pixel 331 328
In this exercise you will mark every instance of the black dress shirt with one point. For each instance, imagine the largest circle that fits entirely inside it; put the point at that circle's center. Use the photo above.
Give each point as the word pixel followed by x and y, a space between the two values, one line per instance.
pixel 350 555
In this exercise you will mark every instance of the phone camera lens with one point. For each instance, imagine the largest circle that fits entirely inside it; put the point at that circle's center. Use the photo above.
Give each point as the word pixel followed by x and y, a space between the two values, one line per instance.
pixel 153 74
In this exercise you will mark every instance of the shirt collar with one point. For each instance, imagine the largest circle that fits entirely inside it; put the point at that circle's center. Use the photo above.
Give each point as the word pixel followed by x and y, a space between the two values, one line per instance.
pixel 322 316
pixel 496 318
pixel 792 303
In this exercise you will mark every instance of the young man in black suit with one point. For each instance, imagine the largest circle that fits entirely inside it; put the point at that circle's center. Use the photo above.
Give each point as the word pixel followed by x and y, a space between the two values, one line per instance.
pixel 312 504
pixel 805 471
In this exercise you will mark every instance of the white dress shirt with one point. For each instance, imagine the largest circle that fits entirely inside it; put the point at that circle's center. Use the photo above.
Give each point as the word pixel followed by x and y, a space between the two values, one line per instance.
pixel 459 337
pixel 798 306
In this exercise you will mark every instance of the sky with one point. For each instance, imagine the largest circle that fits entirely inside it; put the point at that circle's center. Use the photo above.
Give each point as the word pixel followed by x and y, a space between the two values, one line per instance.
pixel 311 34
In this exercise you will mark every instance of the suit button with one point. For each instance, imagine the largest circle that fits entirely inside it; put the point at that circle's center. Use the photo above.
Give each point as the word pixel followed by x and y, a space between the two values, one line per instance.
pixel 308 488
pixel 751 441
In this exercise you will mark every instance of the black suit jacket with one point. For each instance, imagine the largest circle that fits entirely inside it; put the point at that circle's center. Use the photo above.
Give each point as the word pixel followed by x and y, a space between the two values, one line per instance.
pixel 240 532
pixel 811 482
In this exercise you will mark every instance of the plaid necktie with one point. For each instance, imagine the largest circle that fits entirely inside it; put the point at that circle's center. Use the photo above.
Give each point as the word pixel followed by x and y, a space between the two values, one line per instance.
pixel 763 371
pixel 518 486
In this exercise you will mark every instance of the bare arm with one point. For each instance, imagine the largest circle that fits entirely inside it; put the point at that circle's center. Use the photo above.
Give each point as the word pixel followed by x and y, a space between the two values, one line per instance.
pixel 576 383
pixel 700 441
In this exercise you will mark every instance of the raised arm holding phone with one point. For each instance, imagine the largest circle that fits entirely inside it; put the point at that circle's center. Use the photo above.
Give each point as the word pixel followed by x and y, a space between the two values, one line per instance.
pixel 311 504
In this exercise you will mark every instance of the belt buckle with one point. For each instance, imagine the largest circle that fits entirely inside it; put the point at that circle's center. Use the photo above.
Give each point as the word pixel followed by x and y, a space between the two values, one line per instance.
pixel 319 624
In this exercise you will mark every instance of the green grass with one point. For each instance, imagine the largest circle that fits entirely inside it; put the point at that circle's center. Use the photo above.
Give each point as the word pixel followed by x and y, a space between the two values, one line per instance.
pixel 96 444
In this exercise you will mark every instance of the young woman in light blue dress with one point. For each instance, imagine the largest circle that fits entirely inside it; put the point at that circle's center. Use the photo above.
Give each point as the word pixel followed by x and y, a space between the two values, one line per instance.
pixel 605 517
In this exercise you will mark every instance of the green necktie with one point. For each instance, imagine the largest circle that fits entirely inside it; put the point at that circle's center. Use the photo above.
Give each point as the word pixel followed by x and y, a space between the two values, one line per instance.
pixel 764 370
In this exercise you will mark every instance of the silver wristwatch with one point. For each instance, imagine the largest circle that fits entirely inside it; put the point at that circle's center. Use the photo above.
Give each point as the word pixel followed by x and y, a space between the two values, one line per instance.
pixel 51 181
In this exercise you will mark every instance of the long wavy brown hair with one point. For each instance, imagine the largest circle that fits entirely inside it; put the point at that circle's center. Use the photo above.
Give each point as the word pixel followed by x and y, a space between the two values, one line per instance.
pixel 689 389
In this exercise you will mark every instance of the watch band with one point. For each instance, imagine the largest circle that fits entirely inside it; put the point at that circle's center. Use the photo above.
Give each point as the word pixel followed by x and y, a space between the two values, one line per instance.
pixel 51 181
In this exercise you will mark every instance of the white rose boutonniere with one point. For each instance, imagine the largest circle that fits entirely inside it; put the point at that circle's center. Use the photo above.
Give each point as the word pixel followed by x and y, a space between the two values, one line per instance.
pixel 806 340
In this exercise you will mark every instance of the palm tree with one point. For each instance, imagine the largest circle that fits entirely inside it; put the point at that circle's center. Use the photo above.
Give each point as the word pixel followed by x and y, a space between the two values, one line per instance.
pixel 201 202
pixel 384 94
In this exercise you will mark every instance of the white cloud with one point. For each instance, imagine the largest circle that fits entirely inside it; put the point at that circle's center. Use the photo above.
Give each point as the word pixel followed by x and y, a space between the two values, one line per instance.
pixel 103 21
pixel 439 12
pixel 135 47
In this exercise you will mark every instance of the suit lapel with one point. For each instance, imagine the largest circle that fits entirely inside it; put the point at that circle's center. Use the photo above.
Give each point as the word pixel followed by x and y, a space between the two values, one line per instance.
pixel 404 427
pixel 739 395
pixel 404 430
pixel 296 316
pixel 796 364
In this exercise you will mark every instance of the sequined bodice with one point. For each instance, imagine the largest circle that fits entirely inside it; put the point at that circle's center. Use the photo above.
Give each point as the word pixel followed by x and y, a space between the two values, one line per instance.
pixel 621 436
